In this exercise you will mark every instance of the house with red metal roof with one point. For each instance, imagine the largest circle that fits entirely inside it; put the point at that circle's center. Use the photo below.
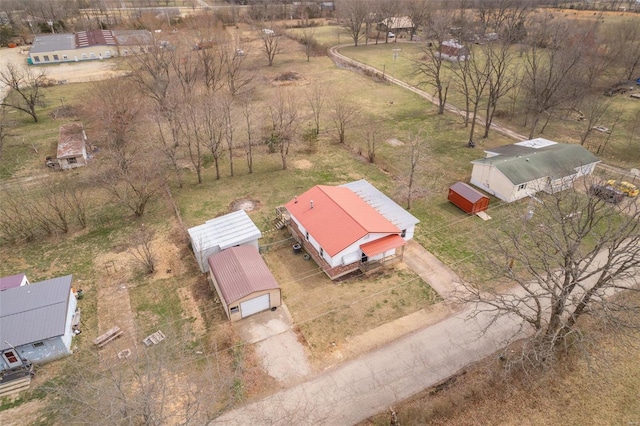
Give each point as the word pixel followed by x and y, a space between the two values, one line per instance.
pixel 342 231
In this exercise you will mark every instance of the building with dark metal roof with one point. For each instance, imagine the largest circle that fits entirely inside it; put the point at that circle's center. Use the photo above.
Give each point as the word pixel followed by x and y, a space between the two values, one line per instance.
pixel 522 169
pixel 87 45
pixel 243 282
pixel 36 322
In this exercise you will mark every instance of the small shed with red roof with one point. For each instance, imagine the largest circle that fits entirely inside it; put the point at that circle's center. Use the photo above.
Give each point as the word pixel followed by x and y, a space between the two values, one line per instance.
pixel 243 282
pixel 468 198
pixel 342 232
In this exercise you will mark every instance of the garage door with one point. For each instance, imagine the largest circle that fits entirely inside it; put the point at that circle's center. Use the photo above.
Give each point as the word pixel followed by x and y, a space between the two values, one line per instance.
pixel 255 305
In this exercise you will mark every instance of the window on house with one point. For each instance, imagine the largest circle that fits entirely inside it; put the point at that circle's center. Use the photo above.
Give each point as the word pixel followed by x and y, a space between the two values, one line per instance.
pixel 306 236
pixel 107 54
pixel 234 309
pixel 93 55
pixel 65 57
pixel 84 56
pixel 321 252
pixel 403 233
pixel 38 344
pixel 72 160
pixel 11 357
pixel 36 59
pixel 46 58
pixel 522 186
pixel 56 58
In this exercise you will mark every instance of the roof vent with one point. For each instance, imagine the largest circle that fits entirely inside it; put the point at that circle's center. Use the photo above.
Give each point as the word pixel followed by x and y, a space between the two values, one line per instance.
pixel 311 203
pixel 295 199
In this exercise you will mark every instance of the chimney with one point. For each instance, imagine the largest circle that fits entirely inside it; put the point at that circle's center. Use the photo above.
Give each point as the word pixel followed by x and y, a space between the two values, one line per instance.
pixel 295 199
pixel 311 203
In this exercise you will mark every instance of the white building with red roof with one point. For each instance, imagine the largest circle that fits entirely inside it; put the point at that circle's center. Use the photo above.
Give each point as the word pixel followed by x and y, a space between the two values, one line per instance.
pixel 343 232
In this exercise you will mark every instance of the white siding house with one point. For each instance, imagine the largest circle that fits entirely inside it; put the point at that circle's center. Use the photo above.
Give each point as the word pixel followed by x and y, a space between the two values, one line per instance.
pixel 36 322
pixel 522 169
pixel 342 231
pixel 230 230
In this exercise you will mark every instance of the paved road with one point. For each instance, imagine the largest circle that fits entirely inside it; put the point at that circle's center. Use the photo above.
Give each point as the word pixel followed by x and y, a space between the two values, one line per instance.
pixel 353 391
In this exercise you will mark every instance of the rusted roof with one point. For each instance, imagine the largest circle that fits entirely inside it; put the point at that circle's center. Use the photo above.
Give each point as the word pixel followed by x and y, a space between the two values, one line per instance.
pixel 71 140
pixel 466 191
pixel 383 244
pixel 239 272
pixel 338 218
pixel 95 38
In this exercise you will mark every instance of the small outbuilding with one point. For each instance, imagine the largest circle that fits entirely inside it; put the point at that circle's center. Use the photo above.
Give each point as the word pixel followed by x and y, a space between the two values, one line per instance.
pixel 72 146
pixel 469 199
pixel 243 282
pixel 233 229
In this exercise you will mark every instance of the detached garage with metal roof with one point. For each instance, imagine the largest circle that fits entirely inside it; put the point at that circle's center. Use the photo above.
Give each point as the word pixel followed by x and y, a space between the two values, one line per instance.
pixel 243 282
pixel 230 230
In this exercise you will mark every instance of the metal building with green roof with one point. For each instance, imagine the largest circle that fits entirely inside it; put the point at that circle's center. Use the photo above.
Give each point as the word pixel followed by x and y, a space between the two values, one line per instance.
pixel 522 169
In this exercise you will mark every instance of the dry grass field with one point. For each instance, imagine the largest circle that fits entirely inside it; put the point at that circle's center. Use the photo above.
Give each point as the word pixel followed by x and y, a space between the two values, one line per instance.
pixel 177 299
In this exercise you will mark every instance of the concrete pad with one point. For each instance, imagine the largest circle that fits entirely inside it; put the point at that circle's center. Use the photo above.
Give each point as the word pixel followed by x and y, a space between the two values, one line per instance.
pixel 282 356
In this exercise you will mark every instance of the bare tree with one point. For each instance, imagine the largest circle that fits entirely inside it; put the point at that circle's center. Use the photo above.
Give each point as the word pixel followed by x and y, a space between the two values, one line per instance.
pixel 191 116
pixel 551 74
pixel 431 68
pixel 238 77
pixel 229 122
pixel 5 128
pixel 135 185
pixel 624 42
pixel 371 137
pixel 501 78
pixel 211 130
pixel 352 15
pixel 26 88
pixel 249 128
pixel 316 98
pixel 270 44
pixel 141 250
pixel 417 145
pixel 343 113
pixel 387 11
pixel 568 260
pixel 309 41
pixel 593 107
pixel 282 127
pixel 115 107
pixel 476 81
pixel 418 12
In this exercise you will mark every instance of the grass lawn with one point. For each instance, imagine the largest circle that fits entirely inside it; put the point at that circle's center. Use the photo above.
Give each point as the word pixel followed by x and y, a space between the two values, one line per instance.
pixel 329 313
pixel 177 299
